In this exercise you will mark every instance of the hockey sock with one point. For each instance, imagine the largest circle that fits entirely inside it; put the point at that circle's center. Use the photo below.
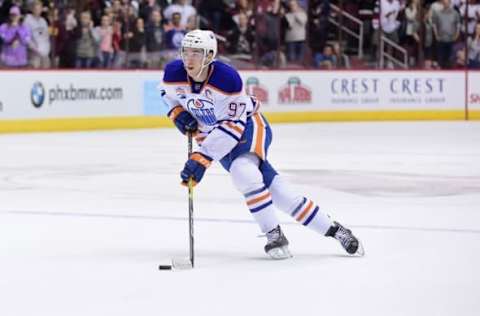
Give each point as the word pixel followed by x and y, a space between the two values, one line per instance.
pixel 260 203
pixel 248 179
pixel 302 209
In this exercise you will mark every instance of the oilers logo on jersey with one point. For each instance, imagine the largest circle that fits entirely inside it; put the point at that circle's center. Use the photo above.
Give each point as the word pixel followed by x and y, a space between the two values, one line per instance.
pixel 223 111
pixel 203 110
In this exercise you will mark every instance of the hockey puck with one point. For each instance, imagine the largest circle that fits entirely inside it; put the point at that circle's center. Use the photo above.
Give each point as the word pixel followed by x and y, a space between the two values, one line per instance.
pixel 164 267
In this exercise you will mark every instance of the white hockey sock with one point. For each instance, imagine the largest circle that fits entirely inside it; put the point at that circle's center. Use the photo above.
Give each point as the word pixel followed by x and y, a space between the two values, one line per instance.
pixel 260 203
pixel 248 179
pixel 302 209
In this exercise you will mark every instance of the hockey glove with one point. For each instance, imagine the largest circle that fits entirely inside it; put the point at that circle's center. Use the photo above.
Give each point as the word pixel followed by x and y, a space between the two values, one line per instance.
pixel 183 120
pixel 195 168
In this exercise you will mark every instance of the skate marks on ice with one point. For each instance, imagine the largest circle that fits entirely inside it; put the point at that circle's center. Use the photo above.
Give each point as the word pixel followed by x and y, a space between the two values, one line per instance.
pixel 386 184
pixel 100 180
pixel 74 177
pixel 225 221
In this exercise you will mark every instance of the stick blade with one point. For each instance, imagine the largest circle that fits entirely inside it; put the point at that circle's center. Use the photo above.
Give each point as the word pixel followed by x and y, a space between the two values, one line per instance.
pixel 182 264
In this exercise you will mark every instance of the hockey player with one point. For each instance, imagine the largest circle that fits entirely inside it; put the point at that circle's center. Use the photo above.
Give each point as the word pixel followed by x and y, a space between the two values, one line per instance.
pixel 206 99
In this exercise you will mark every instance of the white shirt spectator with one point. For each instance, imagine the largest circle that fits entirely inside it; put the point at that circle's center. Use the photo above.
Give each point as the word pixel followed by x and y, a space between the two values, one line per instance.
pixel 389 13
pixel 473 14
pixel 413 22
pixel 186 11
pixel 40 38
pixel 297 22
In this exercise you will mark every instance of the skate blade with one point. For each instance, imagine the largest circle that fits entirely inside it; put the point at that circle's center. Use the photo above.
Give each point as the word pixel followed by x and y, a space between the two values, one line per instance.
pixel 181 264
pixel 280 253
pixel 360 251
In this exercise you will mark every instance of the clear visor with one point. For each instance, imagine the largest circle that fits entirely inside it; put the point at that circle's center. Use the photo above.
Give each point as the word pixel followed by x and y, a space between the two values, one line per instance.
pixel 196 54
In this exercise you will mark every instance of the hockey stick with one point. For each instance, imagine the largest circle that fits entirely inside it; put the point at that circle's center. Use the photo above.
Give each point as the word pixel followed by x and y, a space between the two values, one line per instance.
pixel 190 205
pixel 185 264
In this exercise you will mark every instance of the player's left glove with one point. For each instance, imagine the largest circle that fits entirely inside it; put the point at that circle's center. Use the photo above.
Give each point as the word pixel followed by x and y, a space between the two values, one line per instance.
pixel 195 168
pixel 183 120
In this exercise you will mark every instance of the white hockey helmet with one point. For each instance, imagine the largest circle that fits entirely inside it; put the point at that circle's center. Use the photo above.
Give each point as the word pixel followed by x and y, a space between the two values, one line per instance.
pixel 202 39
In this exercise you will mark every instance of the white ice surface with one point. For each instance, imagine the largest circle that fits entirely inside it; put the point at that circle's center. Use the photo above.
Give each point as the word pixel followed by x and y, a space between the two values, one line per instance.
pixel 86 218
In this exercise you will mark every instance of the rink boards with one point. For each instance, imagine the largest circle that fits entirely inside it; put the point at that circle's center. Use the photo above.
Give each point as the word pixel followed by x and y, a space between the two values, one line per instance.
pixel 87 100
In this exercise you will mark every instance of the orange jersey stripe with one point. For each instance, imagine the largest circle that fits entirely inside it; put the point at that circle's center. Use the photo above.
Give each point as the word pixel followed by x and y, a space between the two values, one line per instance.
pixel 259 138
pixel 305 212
pixel 260 198
pixel 176 83
pixel 200 139
pixel 235 127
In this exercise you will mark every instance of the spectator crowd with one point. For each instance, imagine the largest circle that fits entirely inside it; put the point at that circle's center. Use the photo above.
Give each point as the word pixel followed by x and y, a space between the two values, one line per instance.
pixel 251 33
pixel 437 34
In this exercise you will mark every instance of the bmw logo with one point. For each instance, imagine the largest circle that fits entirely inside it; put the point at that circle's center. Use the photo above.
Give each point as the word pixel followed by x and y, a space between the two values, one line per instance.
pixel 37 94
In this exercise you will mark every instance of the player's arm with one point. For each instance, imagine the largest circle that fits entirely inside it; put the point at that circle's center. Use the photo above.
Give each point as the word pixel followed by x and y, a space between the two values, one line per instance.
pixel 182 119
pixel 231 104
pixel 229 130
pixel 219 142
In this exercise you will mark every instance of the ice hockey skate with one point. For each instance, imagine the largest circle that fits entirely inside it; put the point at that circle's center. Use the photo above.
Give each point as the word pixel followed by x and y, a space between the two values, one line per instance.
pixel 277 244
pixel 349 242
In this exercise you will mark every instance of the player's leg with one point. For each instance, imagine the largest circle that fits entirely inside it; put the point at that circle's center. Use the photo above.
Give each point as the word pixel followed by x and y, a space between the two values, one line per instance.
pixel 243 164
pixel 309 214
pixel 296 205
pixel 248 179
pixel 301 208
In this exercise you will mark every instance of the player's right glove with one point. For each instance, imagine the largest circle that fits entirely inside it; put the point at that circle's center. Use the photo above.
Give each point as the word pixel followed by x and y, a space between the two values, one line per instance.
pixel 183 120
pixel 195 168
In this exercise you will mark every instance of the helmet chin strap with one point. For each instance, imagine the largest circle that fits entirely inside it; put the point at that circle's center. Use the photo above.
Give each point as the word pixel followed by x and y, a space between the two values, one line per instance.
pixel 203 65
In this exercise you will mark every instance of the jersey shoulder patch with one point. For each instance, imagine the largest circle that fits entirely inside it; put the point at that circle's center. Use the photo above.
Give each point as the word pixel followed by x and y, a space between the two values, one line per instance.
pixel 175 72
pixel 225 78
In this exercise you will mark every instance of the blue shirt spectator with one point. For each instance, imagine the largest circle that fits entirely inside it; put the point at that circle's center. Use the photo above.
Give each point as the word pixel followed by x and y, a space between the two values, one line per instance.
pixel 174 36
pixel 326 59
pixel 15 39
